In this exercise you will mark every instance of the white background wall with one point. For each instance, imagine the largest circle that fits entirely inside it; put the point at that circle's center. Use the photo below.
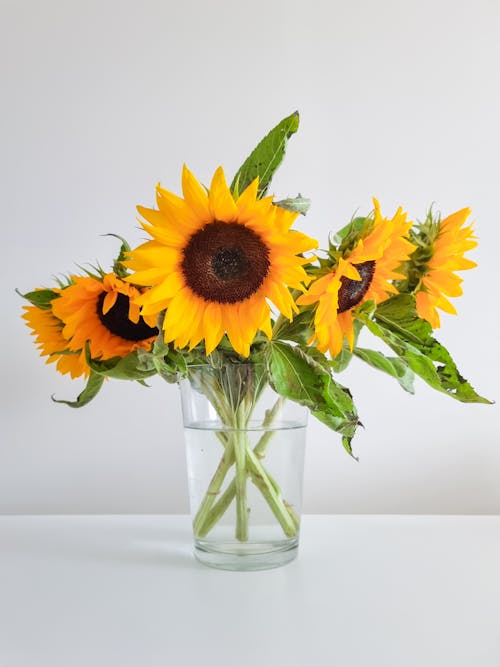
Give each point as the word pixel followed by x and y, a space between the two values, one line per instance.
pixel 101 99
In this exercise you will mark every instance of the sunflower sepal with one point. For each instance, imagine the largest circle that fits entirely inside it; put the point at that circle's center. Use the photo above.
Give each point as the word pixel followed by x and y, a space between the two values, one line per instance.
pixel 266 157
pixel 347 238
pixel 396 322
pixel 41 298
pixel 306 378
pixel 92 388
pixel 119 268
pixel 96 272
pixel 169 363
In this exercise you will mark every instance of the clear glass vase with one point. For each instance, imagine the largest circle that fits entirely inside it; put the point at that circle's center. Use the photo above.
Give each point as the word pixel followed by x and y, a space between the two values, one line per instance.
pixel 245 458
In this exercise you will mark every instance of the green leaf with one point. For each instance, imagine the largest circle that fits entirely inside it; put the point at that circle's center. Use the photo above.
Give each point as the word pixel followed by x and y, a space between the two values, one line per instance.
pixel 171 367
pixel 295 204
pixel 137 365
pixel 393 366
pixel 168 362
pixel 92 388
pixel 306 379
pixel 41 298
pixel 298 330
pixel 341 361
pixel 355 226
pixel 266 157
pixel 160 348
pixel 118 267
pixel 396 322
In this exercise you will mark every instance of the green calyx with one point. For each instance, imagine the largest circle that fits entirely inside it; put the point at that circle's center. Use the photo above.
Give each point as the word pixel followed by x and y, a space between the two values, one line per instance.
pixel 423 236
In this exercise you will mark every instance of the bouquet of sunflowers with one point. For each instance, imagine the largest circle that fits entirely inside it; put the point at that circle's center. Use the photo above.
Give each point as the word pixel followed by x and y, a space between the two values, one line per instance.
pixel 224 279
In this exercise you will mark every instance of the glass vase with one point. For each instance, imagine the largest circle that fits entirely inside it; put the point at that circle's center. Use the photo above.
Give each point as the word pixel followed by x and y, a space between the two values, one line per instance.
pixel 245 457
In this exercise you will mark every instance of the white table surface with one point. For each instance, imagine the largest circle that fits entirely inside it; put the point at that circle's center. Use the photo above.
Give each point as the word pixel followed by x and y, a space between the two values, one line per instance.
pixel 122 591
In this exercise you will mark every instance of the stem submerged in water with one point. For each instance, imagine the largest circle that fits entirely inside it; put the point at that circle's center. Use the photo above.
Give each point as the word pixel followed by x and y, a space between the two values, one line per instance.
pixel 214 487
pixel 234 403
pixel 248 464
pixel 241 486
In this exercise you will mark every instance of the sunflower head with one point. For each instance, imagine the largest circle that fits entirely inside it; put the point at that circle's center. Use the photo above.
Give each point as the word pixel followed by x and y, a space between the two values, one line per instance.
pixel 95 310
pixel 440 249
pixel 215 261
pixel 101 311
pixel 363 268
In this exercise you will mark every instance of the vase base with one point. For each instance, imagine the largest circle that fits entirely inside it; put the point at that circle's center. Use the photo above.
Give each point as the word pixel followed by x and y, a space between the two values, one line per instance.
pixel 246 556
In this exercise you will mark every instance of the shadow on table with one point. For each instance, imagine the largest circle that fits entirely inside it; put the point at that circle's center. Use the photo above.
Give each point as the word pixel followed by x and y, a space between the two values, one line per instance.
pixel 144 544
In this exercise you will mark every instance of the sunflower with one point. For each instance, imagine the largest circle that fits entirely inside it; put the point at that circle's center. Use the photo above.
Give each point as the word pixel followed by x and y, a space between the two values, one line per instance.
pixel 49 339
pixel 102 312
pixel 363 275
pixel 215 261
pixel 449 240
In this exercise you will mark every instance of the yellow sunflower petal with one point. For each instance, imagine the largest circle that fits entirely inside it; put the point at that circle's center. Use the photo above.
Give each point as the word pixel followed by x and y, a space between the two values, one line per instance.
pixel 232 327
pixel 167 289
pixel 195 196
pixel 177 313
pixel 164 232
pixel 176 211
pixel 109 301
pixel 189 333
pixel 443 303
pixel 447 282
pixel 426 309
pixel 455 220
pixel 47 331
pixel 154 254
pixel 282 299
pixel 147 277
pixel 134 312
pixel 246 201
pixel 212 325
pixel 222 205
pixel 259 313
pixel 346 324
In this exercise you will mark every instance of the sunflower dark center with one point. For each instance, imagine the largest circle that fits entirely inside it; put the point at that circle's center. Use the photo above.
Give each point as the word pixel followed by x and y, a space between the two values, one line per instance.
pixel 116 320
pixel 230 263
pixel 225 262
pixel 351 291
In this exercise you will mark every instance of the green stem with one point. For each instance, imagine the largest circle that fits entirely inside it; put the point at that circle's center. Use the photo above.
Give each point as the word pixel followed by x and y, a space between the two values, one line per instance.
pixel 293 514
pixel 234 404
pixel 273 496
pixel 215 485
pixel 260 477
pixel 217 511
pixel 269 417
pixel 283 511
pixel 218 400
pixel 241 486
